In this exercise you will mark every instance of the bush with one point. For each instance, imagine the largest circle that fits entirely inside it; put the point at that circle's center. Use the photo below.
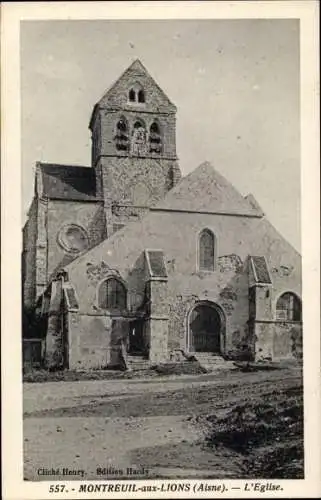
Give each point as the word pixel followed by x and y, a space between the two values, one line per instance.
pixel 268 432
pixel 180 368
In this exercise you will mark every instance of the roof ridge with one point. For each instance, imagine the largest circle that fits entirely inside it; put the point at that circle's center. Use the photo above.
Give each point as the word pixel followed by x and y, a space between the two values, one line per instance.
pixel 51 164
pixel 67 182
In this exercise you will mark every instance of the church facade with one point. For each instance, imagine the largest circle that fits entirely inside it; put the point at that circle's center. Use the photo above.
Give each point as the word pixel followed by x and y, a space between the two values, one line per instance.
pixel 127 258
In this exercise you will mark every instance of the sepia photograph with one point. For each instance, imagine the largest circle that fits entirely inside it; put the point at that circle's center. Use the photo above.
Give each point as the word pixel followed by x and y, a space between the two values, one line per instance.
pixel 160 296
pixel 161 266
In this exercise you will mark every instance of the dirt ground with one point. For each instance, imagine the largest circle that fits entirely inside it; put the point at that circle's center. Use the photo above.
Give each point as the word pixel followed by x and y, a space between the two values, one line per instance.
pixel 165 427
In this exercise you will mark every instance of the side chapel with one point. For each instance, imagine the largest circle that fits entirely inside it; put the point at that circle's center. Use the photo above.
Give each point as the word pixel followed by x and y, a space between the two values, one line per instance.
pixel 127 258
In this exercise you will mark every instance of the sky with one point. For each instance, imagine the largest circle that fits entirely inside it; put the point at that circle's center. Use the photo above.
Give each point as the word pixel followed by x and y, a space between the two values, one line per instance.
pixel 236 84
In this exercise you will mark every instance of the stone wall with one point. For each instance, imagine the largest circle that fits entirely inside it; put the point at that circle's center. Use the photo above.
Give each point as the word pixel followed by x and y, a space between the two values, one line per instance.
pixel 89 216
pixel 157 333
pixel 136 74
pixel 131 185
pixel 43 255
pixel 263 302
pixel 157 319
pixel 177 235
pixel 89 341
pixel 263 333
pixel 42 247
pixel 54 351
pixel 96 341
pixel 136 181
pixel 278 340
pixel 97 226
pixel 288 340
pixel 29 257
pixel 35 241
pixel 109 120
pixel 226 289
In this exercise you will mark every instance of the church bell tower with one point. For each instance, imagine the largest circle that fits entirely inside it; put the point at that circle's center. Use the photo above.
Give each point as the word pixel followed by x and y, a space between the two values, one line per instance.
pixel 133 131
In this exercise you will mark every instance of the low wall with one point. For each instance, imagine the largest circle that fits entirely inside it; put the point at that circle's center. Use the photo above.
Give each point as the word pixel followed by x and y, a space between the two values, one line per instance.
pixel 32 353
pixel 278 339
pixel 287 340
pixel 95 342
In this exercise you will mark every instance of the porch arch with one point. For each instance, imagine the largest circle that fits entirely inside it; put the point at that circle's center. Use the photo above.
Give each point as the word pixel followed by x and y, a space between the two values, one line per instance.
pixel 206 328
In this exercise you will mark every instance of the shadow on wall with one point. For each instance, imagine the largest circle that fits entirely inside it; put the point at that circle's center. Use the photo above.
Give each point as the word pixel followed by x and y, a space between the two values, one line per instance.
pixel 136 282
pixel 97 228
pixel 234 299
pixel 118 343
pixel 67 258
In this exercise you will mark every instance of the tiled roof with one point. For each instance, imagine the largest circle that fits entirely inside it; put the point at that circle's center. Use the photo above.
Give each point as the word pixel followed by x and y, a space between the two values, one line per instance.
pixel 156 261
pixel 66 182
pixel 71 298
pixel 261 271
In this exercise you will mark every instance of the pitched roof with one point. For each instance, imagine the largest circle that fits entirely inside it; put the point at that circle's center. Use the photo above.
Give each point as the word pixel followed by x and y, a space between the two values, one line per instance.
pixel 133 238
pixel 205 190
pixel 117 94
pixel 156 263
pixel 69 182
pixel 260 269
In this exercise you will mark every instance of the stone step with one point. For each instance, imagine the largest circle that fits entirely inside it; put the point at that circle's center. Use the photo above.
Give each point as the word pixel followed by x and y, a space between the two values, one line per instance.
pixel 136 359
pixel 137 363
pixel 209 357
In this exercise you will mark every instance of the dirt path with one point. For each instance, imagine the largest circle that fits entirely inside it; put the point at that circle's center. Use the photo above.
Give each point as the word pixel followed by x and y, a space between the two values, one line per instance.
pixel 151 425
pixel 50 395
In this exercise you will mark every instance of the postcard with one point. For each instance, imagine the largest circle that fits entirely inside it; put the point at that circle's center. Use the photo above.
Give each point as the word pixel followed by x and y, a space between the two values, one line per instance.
pixel 160 257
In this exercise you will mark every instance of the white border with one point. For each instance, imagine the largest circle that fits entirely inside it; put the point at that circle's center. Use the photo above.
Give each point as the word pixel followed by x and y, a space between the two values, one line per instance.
pixel 12 13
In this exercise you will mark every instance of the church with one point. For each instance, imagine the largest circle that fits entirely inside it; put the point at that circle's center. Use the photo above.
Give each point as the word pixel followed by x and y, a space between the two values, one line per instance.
pixel 127 260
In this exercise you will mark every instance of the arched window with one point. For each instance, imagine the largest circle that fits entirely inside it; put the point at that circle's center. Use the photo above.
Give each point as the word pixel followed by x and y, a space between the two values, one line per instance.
pixel 288 307
pixel 141 96
pixel 136 93
pixel 155 139
pixel 139 124
pixel 121 137
pixel 132 95
pixel 206 252
pixel 112 295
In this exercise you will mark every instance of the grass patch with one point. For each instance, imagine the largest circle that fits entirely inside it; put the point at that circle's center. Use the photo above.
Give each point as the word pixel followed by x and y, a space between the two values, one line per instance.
pixel 255 366
pixel 41 376
pixel 189 367
pixel 166 369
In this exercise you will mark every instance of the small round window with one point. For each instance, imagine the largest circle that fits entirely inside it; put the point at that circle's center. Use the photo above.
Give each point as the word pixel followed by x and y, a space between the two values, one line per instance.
pixel 73 238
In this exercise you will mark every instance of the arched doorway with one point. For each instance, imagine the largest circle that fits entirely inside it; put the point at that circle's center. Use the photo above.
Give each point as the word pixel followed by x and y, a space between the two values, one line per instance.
pixel 206 328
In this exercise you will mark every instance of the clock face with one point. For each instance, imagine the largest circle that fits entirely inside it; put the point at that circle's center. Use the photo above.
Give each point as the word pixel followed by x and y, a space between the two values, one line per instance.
pixel 73 238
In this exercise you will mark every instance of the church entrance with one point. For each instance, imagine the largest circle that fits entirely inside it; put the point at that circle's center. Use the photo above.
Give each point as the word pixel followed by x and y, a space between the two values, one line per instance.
pixel 205 326
pixel 136 344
